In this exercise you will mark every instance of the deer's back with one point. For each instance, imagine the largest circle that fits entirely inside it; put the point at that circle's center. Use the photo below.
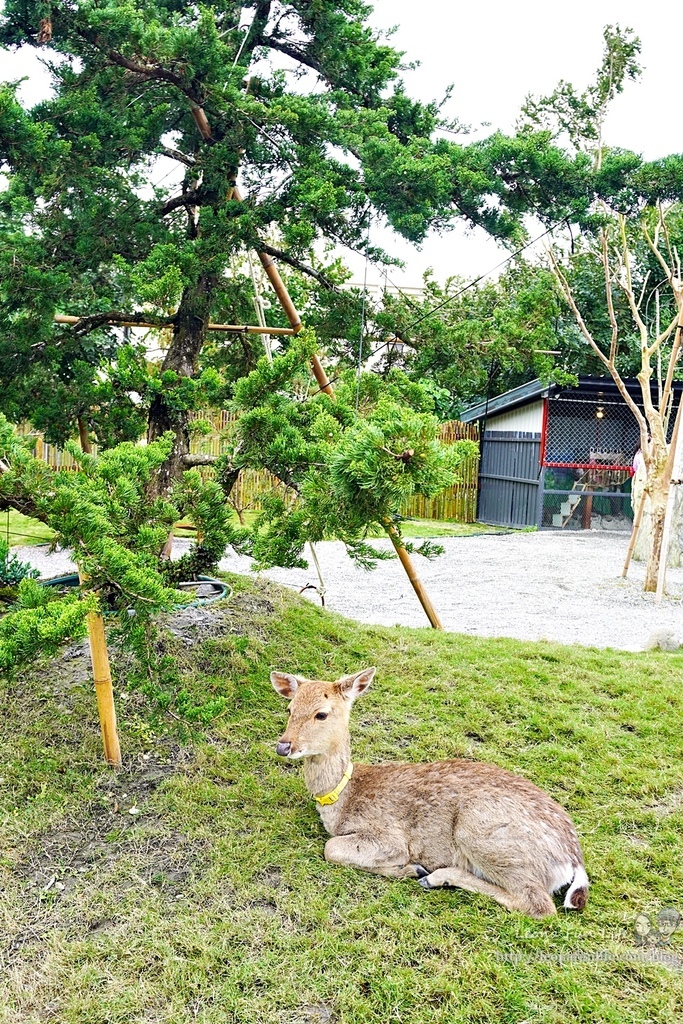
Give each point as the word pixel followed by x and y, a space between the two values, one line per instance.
pixel 445 805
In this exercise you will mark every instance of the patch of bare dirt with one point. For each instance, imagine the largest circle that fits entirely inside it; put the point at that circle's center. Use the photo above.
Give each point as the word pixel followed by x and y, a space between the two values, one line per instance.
pixel 57 859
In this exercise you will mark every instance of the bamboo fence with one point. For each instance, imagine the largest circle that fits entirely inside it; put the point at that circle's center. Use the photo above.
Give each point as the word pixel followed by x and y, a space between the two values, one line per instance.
pixel 458 503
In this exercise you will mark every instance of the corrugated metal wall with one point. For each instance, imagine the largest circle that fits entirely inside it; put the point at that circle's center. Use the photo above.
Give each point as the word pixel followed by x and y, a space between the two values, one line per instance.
pixel 509 478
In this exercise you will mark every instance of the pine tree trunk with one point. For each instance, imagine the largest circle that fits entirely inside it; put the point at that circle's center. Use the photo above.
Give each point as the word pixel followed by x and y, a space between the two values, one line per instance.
pixel 188 338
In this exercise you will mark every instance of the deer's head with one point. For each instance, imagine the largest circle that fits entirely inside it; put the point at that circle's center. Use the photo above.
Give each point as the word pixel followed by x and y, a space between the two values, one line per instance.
pixel 318 712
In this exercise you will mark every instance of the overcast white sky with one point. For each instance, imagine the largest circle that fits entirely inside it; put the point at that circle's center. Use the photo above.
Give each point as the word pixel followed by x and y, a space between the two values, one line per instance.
pixel 494 54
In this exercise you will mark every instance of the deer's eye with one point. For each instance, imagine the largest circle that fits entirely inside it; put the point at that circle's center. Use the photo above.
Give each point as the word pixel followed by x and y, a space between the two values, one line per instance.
pixel 321 716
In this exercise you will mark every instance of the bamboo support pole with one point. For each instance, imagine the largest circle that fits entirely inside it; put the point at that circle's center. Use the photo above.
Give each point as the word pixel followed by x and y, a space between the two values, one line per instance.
pixel 324 384
pixel 201 121
pixel 273 275
pixel 104 690
pixel 270 268
pixel 673 463
pixel 634 532
pixel 236 328
pixel 321 376
pixel 416 582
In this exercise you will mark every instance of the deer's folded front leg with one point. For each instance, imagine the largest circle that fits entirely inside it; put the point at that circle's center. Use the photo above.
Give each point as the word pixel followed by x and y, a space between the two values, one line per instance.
pixel 388 856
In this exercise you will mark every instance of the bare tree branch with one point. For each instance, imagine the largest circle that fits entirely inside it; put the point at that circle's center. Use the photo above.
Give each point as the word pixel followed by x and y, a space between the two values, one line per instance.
pixel 610 303
pixel 86 324
pixel 193 198
pixel 292 261
pixel 192 459
pixel 569 297
pixel 664 336
pixel 175 154
pixel 654 246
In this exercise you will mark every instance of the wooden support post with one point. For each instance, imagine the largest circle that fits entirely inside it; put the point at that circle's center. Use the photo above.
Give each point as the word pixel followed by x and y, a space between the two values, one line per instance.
pixel 233 328
pixel 587 511
pixel 104 690
pixel 634 532
pixel 292 315
pixel 416 582
pixel 673 465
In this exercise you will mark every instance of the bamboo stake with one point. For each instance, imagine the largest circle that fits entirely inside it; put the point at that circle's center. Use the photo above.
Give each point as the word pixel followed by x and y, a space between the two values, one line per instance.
pixel 634 532
pixel 672 463
pixel 236 328
pixel 416 582
pixel 273 274
pixel 270 268
pixel 321 376
pixel 104 690
pixel 324 384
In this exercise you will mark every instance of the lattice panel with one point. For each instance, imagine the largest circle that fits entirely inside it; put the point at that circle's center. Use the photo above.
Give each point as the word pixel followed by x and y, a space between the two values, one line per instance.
pixel 584 433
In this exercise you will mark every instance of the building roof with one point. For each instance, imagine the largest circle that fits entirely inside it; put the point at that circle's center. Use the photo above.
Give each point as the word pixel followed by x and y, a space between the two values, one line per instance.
pixel 521 395
pixel 535 389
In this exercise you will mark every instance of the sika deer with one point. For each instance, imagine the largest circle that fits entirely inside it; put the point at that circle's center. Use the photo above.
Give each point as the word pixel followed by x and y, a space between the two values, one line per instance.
pixel 460 823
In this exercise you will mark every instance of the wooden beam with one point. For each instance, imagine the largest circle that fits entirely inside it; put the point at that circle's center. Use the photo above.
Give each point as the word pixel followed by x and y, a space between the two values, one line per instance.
pixel 235 328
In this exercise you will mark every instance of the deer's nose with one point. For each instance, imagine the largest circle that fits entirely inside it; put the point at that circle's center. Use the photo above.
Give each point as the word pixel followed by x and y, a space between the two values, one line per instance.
pixel 284 749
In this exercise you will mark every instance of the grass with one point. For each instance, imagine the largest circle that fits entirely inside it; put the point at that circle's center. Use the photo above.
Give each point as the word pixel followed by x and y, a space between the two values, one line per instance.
pixel 432 528
pixel 23 530
pixel 191 886
pixel 410 528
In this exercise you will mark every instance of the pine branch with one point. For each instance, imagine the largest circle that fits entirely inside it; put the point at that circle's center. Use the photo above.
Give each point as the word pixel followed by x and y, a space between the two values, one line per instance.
pixel 95 320
pixel 297 264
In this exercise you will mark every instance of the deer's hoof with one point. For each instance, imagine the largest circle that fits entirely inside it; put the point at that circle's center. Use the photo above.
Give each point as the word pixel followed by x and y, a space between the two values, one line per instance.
pixel 420 872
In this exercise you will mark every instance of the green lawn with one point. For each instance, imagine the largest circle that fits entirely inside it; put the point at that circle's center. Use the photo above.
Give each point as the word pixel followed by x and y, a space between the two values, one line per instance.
pixel 23 530
pixel 433 528
pixel 212 902
pixel 410 528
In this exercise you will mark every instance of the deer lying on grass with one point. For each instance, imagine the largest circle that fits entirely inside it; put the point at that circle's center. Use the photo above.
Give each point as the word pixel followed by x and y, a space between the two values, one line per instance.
pixel 460 823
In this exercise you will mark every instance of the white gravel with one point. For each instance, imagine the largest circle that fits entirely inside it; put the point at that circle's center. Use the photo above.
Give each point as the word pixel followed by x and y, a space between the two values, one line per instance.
pixel 565 587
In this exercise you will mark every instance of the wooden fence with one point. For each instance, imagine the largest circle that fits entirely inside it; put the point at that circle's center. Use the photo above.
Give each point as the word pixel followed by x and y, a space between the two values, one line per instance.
pixel 458 503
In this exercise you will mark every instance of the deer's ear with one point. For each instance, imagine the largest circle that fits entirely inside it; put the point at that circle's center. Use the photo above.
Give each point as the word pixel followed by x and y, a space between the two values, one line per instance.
pixel 285 684
pixel 353 686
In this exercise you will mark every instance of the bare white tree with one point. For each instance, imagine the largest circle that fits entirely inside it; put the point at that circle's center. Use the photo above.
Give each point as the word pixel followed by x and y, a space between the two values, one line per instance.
pixel 617 257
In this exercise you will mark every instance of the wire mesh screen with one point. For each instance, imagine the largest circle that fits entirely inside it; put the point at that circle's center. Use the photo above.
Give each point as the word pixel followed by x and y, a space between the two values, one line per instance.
pixel 587 510
pixel 587 433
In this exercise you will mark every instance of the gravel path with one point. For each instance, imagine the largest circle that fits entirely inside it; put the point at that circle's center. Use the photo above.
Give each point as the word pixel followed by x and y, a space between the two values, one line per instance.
pixel 532 586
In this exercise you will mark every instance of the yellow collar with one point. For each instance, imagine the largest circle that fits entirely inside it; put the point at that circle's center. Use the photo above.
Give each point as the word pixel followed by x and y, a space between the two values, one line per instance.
pixel 331 798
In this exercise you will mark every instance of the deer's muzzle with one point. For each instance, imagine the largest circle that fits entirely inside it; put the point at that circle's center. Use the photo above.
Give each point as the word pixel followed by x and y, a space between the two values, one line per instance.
pixel 283 749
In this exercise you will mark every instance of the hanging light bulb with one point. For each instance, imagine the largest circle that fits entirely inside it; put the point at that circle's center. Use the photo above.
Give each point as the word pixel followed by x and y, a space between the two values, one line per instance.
pixel 599 413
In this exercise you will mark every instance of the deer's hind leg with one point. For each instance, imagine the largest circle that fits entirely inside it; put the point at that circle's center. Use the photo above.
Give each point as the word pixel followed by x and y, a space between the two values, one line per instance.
pixel 388 856
pixel 530 899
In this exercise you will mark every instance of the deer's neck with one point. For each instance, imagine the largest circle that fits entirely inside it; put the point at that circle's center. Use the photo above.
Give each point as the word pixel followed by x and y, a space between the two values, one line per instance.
pixel 324 772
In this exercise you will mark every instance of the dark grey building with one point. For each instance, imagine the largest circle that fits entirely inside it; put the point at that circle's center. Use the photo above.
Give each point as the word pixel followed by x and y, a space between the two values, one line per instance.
pixel 558 457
